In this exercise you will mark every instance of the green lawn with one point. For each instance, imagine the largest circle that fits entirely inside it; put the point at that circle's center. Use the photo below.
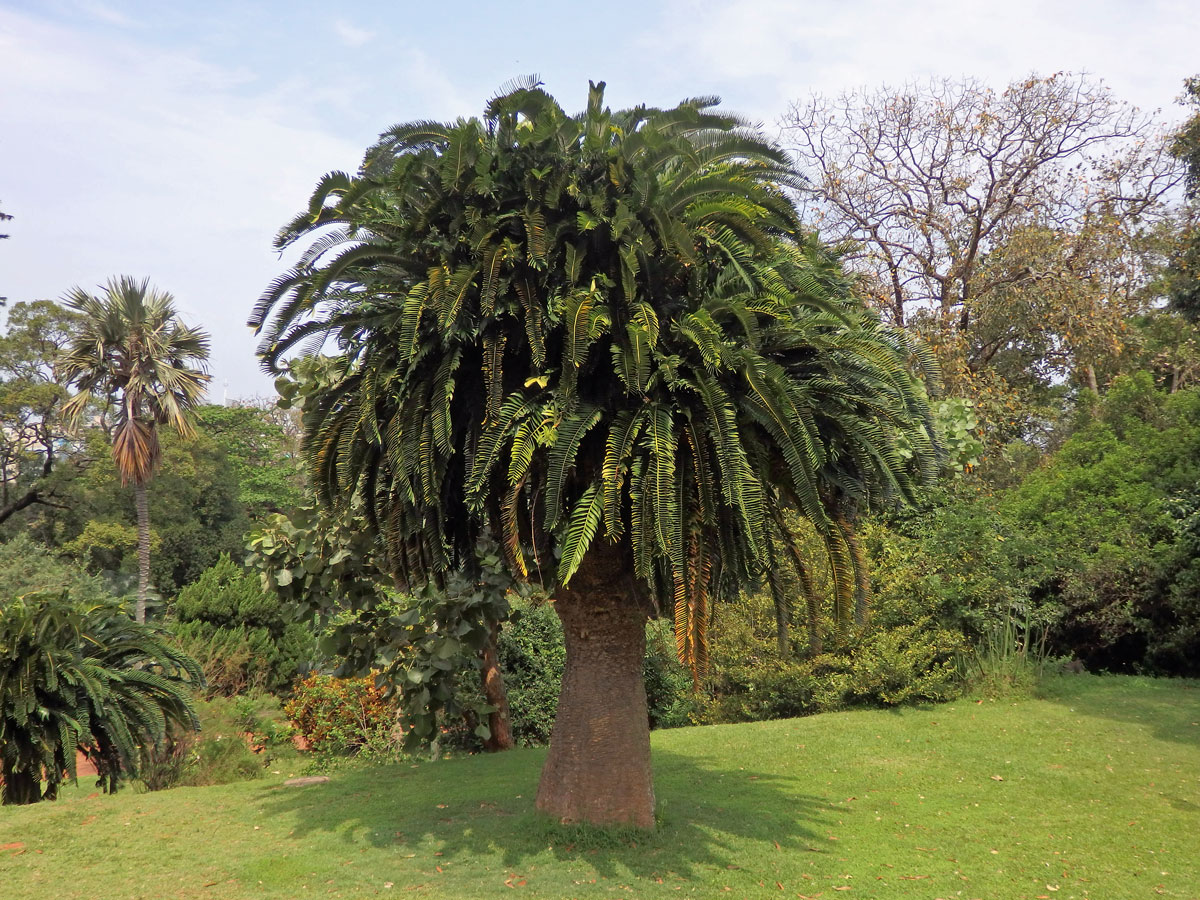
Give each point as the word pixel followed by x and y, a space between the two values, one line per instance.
pixel 1091 792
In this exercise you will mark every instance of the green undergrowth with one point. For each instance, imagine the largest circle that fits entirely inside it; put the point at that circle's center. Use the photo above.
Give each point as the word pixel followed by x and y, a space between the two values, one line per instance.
pixel 1092 790
pixel 241 738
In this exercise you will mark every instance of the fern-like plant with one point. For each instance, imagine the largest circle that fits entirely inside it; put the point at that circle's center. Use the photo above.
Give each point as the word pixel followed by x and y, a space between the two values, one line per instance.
pixel 605 339
pixel 88 678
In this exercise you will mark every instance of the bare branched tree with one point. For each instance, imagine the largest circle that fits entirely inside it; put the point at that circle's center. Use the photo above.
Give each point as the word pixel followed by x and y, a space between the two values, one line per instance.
pixel 940 189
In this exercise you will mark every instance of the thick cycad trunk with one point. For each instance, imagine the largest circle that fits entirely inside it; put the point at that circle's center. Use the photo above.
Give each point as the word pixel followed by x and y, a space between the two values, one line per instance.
pixel 598 766
pixel 142 502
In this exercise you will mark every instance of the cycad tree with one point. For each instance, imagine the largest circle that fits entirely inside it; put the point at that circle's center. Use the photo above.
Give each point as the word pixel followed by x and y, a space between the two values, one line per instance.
pixel 604 339
pixel 76 677
pixel 132 349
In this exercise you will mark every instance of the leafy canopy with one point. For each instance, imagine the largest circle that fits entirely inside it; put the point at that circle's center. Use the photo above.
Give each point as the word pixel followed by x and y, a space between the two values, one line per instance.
pixel 607 326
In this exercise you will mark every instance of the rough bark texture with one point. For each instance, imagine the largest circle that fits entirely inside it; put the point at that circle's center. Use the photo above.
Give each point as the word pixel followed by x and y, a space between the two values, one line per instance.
pixel 598 767
pixel 141 500
pixel 495 694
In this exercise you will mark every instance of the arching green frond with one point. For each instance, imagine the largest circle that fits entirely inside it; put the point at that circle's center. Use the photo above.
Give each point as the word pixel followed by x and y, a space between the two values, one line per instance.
pixel 663 485
pixel 441 396
pixel 623 434
pixel 577 316
pixel 410 322
pixel 581 529
pixel 492 437
pixel 568 434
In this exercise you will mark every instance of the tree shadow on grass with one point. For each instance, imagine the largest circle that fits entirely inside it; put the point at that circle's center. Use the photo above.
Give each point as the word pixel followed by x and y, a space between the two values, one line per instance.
pixel 1168 708
pixel 709 811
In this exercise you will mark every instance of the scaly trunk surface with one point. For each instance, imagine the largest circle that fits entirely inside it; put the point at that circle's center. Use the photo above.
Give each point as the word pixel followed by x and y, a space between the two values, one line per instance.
pixel 142 502
pixel 495 694
pixel 598 767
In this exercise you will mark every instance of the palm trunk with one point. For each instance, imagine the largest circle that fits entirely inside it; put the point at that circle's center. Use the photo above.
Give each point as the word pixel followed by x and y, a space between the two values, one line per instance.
pixel 496 696
pixel 598 767
pixel 142 502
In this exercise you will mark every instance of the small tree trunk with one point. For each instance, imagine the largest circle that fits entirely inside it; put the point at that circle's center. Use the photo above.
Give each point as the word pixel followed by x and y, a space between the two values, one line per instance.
pixel 142 502
pixel 20 788
pixel 782 640
pixel 495 694
pixel 598 767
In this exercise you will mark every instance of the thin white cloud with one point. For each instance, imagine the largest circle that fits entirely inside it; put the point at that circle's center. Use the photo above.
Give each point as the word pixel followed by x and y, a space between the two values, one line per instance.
pixel 350 35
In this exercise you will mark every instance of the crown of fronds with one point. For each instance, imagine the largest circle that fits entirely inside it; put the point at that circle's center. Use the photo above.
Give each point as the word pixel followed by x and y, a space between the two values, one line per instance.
pixel 131 347
pixel 606 326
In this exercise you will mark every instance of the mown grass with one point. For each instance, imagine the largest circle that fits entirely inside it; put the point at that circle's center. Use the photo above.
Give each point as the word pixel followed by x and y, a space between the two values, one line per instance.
pixel 1092 791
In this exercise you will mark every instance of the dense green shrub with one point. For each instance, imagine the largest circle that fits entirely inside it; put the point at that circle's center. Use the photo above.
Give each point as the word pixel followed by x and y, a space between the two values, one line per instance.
pixel 344 715
pixel 881 667
pixel 532 655
pixel 1173 625
pixel 670 699
pixel 958 563
pixel 242 636
pixel 1095 545
pixel 1109 551
pixel 240 738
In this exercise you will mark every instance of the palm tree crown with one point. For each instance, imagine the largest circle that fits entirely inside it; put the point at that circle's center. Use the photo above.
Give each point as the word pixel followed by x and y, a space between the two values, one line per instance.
pixel 611 324
pixel 131 347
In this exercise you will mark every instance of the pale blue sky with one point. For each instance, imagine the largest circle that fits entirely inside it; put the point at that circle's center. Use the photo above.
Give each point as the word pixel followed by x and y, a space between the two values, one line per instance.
pixel 171 140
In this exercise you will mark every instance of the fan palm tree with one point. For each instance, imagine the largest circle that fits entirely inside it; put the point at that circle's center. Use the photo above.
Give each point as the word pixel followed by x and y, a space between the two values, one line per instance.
pixel 605 339
pixel 85 678
pixel 131 349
